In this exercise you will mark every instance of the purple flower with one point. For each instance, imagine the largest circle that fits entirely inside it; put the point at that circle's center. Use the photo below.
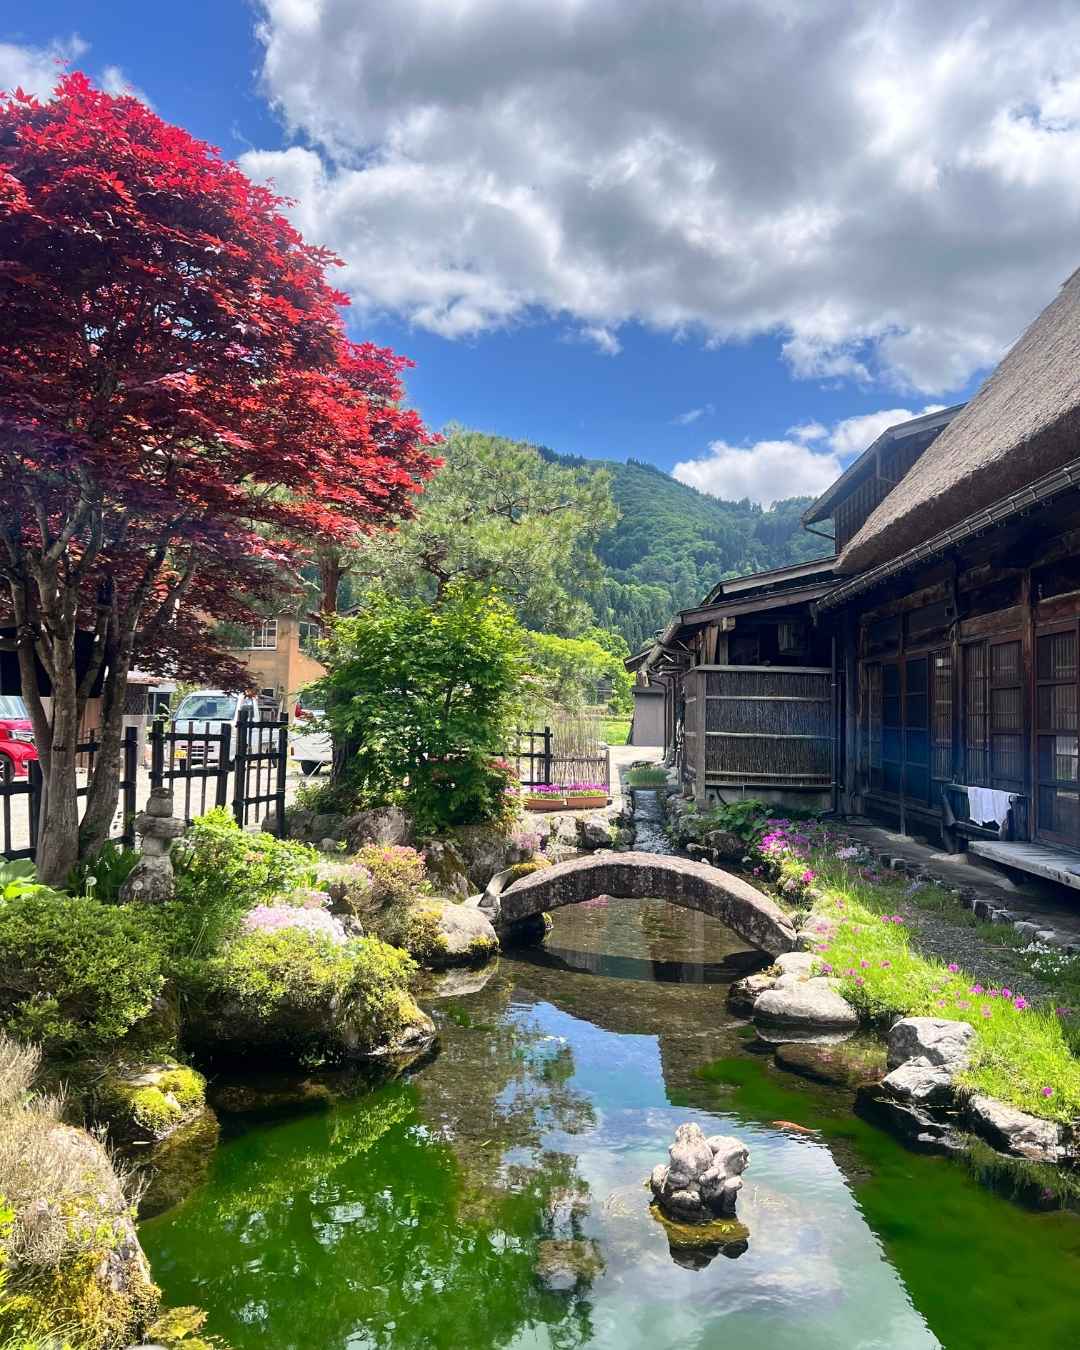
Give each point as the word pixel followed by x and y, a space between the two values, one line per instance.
pixel 976 989
pixel 865 964
pixel 826 969
pixel 1006 993
pixel 953 968
pixel 993 993
pixel 1020 1003
pixel 859 979
pixel 1048 1092
pixel 885 965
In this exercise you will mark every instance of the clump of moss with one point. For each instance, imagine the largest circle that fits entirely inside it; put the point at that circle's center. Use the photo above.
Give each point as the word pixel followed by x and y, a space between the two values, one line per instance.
pixel 422 937
pixel 526 869
pixel 151 1103
pixel 482 949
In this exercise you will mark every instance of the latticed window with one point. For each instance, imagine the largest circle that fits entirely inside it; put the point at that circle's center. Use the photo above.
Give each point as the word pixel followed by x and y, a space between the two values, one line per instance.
pixel 264 635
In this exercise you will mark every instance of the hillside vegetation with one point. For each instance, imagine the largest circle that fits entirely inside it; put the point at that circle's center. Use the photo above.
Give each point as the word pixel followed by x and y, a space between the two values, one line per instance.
pixel 672 544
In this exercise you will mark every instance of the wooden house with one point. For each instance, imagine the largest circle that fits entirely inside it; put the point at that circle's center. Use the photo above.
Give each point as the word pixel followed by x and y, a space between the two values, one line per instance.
pixel 935 660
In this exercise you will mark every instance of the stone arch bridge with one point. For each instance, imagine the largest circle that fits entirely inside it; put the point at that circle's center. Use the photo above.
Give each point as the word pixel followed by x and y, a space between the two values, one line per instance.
pixel 641 876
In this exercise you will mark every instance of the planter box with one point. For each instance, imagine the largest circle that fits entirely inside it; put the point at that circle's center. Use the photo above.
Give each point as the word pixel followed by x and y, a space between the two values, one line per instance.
pixel 587 803
pixel 544 803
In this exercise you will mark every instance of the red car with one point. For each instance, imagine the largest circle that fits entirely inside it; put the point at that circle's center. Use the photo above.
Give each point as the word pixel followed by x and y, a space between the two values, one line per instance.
pixel 17 747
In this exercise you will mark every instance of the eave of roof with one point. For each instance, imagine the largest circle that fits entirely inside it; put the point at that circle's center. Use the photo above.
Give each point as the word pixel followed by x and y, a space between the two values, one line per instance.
pixel 822 509
pixel 775 576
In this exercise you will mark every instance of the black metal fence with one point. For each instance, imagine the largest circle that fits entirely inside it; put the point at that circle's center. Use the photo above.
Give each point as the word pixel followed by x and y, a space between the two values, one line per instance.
pixel 204 768
pixel 534 765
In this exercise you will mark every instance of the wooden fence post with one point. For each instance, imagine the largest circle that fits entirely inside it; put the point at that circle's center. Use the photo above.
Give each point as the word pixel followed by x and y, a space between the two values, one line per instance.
pixel 128 785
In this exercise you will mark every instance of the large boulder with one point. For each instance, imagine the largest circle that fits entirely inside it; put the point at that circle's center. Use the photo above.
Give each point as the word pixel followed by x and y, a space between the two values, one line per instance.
pixel 440 933
pixel 485 850
pixel 851 1063
pixel 96 1287
pixel 1014 1131
pixel 806 1003
pixel 379 825
pixel 703 1177
pixel 596 830
pixel 938 1040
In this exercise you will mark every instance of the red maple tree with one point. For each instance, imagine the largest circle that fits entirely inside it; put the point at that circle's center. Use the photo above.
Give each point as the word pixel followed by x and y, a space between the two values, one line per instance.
pixel 182 417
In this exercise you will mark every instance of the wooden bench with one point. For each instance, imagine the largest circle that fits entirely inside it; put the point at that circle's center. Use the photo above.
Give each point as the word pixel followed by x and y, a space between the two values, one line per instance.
pixel 957 827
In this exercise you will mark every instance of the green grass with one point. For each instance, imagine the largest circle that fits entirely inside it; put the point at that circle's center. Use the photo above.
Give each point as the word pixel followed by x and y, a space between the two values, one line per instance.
pixel 1020 1050
pixel 616 730
pixel 647 777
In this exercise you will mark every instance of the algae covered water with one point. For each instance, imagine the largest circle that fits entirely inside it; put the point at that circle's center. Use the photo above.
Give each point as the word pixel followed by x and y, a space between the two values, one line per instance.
pixel 496 1198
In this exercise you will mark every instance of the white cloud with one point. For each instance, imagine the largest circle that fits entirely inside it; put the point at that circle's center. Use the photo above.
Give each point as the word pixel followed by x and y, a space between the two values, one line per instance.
pixel 37 69
pixel 114 81
pixel 603 339
pixel 808 431
pixel 893 189
pixel 802 466
pixel 766 471
pixel 692 415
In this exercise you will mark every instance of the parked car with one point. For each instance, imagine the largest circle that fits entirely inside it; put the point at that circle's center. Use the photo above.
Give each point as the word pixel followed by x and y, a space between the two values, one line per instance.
pixel 309 745
pixel 17 749
pixel 204 713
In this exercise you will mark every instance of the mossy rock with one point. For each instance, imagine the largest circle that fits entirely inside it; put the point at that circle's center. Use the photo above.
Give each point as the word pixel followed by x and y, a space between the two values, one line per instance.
pixel 440 933
pixel 295 996
pixel 148 1104
pixel 91 1283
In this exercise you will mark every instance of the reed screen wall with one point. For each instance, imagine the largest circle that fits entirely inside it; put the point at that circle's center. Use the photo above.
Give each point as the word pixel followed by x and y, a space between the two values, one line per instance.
pixel 760 726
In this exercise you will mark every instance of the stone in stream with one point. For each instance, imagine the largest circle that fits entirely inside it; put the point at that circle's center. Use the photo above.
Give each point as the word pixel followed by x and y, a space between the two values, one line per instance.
pixel 701 1182
pixel 938 1040
pixel 1015 1131
pixel 920 1082
pixel 808 1003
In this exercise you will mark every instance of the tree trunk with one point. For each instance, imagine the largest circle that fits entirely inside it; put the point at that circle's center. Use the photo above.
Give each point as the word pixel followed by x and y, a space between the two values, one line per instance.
pixel 58 848
pixel 331 570
pixel 104 787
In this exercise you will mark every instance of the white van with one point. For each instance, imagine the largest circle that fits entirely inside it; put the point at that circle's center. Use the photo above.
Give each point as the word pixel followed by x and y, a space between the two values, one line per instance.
pixel 209 710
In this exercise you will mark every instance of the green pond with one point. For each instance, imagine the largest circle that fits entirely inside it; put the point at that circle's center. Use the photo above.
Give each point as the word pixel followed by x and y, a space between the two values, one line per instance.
pixel 496 1196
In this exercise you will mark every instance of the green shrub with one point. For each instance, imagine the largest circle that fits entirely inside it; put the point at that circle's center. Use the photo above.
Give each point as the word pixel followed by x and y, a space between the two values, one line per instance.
pixel 75 974
pixel 419 698
pixel 397 873
pixel 223 871
pixel 102 876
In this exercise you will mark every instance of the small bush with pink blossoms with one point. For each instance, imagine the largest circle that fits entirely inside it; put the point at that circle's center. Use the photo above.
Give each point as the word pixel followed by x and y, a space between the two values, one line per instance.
pixel 397 873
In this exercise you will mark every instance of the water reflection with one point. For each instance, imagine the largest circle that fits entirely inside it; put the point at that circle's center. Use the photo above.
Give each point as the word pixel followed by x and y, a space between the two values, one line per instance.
pixel 497 1198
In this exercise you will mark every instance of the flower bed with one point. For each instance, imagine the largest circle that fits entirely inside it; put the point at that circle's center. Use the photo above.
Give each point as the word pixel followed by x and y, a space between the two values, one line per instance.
pixel 1024 1050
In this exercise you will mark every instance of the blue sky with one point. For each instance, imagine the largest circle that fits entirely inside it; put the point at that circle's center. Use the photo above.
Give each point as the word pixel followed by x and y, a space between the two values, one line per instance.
pixel 638 228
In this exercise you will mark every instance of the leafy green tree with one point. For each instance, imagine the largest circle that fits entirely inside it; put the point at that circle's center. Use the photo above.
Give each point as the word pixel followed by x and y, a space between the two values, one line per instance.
pixel 501 515
pixel 420 699
pixel 572 672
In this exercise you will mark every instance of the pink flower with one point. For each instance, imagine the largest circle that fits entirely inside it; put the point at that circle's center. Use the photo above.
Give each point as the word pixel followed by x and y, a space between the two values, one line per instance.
pixel 1006 993
pixel 985 1010
pixel 992 993
pixel 865 965
pixel 1020 1003
pixel 885 965
pixel 275 918
pixel 859 979
pixel 976 989
pixel 953 968
pixel 808 876
pixel 1048 1092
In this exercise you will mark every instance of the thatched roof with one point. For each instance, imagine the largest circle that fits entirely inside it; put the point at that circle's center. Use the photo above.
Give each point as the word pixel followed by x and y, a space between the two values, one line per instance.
pixel 1023 423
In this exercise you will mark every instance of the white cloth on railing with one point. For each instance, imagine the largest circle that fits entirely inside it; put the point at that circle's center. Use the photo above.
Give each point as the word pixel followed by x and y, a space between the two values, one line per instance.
pixel 988 805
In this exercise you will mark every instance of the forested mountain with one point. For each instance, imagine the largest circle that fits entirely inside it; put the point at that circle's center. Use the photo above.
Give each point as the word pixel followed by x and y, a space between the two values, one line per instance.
pixel 672 544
